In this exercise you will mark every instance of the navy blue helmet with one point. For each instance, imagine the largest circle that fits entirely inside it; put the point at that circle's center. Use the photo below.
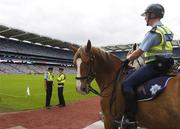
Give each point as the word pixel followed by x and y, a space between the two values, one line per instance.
pixel 156 9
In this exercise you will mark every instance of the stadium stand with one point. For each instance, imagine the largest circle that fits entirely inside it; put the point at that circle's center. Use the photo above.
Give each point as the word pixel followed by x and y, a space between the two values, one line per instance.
pixel 122 50
pixel 27 53
pixel 10 68
pixel 11 46
pixel 25 58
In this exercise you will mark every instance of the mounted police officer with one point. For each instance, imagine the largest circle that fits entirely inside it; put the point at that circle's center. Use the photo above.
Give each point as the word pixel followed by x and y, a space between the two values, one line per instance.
pixel 157 50
pixel 48 77
pixel 61 80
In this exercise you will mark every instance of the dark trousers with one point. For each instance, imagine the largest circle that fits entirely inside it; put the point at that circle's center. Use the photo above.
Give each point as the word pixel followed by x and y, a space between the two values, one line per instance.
pixel 138 77
pixel 61 96
pixel 145 73
pixel 48 92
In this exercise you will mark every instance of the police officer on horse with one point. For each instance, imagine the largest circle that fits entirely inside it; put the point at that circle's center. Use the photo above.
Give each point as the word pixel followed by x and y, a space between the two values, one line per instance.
pixel 157 50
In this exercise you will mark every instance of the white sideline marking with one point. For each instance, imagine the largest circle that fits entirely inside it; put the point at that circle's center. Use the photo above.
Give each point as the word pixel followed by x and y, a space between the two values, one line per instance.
pixel 96 125
pixel 14 96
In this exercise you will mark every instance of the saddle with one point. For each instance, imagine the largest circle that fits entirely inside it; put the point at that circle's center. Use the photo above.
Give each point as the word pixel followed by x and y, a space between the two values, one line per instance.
pixel 153 88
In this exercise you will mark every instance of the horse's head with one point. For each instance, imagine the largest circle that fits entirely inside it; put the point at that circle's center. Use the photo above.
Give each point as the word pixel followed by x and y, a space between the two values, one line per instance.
pixel 138 62
pixel 84 63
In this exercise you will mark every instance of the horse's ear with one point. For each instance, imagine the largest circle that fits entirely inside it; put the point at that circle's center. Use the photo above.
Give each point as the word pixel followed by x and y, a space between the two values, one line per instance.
pixel 134 47
pixel 73 48
pixel 88 47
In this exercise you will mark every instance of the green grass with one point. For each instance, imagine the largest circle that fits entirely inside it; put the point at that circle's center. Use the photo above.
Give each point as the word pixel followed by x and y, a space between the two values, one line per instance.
pixel 13 95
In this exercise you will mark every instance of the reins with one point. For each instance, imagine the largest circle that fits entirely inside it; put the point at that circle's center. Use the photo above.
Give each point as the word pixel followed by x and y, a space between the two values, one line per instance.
pixel 91 75
pixel 120 73
pixel 137 62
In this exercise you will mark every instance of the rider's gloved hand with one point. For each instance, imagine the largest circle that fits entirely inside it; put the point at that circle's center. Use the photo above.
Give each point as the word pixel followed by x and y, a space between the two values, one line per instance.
pixel 125 63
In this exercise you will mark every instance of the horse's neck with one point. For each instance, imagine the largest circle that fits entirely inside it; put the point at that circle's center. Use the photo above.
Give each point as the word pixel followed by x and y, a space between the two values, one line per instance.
pixel 106 67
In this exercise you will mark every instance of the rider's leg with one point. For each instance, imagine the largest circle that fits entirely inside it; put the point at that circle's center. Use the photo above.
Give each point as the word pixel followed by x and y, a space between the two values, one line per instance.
pixel 129 120
pixel 129 85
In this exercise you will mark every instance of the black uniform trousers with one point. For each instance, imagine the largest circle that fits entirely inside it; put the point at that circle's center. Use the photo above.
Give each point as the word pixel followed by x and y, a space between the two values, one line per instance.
pixel 147 72
pixel 60 94
pixel 48 92
pixel 154 69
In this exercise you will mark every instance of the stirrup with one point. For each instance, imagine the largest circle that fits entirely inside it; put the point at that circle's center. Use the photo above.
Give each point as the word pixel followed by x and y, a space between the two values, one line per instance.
pixel 116 123
pixel 126 124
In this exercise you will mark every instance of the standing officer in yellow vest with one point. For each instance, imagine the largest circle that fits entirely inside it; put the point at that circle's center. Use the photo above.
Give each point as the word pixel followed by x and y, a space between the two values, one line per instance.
pixel 157 49
pixel 61 80
pixel 48 79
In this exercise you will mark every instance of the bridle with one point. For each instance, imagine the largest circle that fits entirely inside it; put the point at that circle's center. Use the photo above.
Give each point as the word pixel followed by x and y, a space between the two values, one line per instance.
pixel 91 74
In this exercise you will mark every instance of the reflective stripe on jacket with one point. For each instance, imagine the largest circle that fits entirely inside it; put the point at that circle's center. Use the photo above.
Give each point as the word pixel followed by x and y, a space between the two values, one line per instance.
pixel 50 77
pixel 164 47
pixel 61 79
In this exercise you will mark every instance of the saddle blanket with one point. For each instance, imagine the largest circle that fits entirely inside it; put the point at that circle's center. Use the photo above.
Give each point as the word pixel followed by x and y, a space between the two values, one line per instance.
pixel 151 89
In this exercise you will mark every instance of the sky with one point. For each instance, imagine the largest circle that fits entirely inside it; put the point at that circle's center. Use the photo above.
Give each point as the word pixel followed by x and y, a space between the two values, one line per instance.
pixel 104 22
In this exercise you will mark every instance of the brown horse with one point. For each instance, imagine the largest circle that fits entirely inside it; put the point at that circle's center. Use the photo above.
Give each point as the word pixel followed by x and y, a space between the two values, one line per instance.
pixel 94 63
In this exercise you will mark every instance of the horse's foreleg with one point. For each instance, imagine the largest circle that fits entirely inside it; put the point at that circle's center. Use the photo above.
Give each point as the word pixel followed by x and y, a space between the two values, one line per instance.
pixel 107 115
pixel 108 123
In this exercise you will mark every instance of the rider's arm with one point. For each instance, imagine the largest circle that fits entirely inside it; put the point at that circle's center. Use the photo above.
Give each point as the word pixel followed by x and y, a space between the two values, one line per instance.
pixel 137 53
pixel 151 39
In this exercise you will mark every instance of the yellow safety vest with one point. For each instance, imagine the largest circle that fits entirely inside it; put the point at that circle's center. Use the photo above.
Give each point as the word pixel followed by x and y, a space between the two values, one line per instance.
pixel 61 79
pixel 165 46
pixel 50 77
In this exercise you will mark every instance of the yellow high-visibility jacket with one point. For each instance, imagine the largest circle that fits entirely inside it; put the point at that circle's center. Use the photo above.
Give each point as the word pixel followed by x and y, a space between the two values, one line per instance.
pixel 61 78
pixel 164 47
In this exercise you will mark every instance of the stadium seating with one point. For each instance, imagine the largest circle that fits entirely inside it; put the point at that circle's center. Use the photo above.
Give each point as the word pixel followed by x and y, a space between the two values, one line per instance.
pixel 32 55
pixel 7 45
pixel 10 68
pixel 29 55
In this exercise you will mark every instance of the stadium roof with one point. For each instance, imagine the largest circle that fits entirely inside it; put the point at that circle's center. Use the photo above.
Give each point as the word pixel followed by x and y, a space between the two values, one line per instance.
pixel 24 36
pixel 118 47
pixel 175 43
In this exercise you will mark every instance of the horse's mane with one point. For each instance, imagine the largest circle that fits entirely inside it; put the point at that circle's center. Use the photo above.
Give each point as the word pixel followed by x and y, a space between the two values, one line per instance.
pixel 98 53
pixel 106 56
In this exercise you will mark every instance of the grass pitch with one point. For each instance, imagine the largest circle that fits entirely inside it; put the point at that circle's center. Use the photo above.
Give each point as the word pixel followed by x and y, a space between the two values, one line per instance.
pixel 14 97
